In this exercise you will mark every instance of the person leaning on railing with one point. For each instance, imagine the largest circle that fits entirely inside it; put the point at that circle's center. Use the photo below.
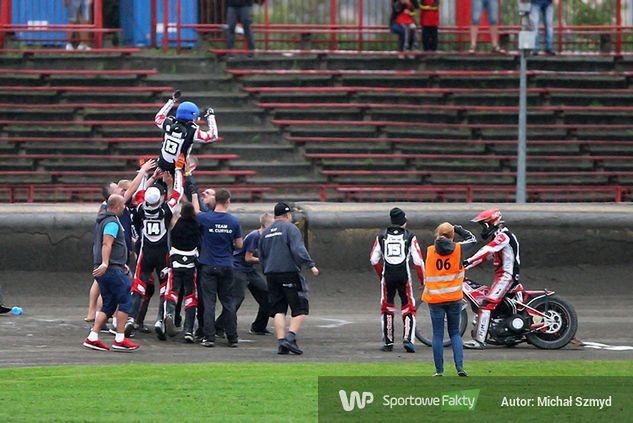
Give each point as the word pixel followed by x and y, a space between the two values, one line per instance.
pixel 402 23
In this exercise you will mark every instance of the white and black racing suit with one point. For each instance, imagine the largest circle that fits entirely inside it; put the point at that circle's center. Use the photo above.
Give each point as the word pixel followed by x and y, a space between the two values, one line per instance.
pixel 179 136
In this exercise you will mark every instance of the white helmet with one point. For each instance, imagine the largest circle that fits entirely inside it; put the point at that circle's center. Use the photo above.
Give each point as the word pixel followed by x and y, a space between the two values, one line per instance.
pixel 153 198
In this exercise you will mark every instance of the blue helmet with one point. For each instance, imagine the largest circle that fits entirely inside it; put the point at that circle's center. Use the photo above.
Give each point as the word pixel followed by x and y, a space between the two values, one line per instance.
pixel 187 111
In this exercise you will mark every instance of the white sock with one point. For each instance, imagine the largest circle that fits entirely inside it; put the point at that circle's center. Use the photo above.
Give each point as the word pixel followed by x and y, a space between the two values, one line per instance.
pixel 114 322
pixel 119 337
pixel 93 336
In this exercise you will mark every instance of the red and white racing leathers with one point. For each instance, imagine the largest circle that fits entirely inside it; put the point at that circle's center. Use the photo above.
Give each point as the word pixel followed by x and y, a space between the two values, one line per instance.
pixel 504 249
pixel 390 259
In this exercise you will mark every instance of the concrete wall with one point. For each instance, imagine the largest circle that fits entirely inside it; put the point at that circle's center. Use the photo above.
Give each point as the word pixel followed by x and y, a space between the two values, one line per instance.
pixel 340 236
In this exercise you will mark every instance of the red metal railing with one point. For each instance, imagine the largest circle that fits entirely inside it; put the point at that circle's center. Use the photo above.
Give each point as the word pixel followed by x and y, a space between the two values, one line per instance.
pixel 580 25
pixel 30 193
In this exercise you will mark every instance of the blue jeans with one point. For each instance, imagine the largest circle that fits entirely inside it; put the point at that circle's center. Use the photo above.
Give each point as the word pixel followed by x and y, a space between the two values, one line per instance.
pixel 243 14
pixel 452 311
pixel 492 9
pixel 406 36
pixel 535 15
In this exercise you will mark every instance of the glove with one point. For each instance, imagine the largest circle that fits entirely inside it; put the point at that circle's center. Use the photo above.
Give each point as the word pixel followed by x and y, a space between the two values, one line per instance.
pixel 180 163
pixel 208 112
pixel 175 95
pixel 465 263
pixel 192 187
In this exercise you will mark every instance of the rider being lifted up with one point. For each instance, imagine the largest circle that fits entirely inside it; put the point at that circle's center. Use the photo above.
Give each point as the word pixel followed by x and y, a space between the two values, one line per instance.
pixel 504 248
pixel 182 131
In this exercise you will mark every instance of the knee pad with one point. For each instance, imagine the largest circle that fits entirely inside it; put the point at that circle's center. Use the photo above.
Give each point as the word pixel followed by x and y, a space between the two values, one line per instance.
pixel 386 308
pixel 408 309
pixel 191 301
pixel 140 287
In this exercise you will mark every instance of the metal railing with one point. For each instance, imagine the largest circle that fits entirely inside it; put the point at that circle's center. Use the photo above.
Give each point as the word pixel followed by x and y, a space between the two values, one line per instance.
pixel 356 25
pixel 38 193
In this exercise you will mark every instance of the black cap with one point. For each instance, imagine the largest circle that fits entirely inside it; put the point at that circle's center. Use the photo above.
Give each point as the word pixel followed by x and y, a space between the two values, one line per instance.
pixel 281 209
pixel 397 217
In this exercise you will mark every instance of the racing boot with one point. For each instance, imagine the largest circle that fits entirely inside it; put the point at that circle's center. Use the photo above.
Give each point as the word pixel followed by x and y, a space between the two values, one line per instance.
pixel 170 325
pixel 479 332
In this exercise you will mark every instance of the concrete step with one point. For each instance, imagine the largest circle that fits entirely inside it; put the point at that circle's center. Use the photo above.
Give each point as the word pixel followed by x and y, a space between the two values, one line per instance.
pixel 287 81
pixel 301 61
pixel 192 83
pixel 318 113
pixel 224 116
pixel 386 81
pixel 254 152
pixel 277 168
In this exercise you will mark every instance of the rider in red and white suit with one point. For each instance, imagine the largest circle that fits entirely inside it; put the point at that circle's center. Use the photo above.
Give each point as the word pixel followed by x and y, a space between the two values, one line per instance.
pixel 504 249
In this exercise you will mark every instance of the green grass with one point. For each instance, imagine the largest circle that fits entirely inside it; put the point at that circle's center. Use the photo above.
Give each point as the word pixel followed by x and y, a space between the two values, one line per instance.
pixel 219 391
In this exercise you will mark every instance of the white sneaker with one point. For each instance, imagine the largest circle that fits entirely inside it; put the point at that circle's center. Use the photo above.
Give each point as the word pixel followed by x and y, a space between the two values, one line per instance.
pixel 474 345
pixel 69 46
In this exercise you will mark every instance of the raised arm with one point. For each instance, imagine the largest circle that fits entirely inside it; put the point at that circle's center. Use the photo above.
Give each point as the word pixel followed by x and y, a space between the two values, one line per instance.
pixel 210 135
pixel 160 117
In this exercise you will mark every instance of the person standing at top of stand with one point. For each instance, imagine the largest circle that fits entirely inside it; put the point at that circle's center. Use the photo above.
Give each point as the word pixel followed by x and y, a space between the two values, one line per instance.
pixel 181 131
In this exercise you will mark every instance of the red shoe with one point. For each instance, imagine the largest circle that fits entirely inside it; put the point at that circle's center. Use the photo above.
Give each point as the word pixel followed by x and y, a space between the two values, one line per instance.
pixel 95 345
pixel 125 345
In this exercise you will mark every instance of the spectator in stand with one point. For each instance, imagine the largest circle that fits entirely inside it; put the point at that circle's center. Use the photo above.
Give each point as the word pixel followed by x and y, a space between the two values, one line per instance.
pixel 547 7
pixel 79 13
pixel 239 10
pixel 402 23
pixel 492 11
pixel 429 20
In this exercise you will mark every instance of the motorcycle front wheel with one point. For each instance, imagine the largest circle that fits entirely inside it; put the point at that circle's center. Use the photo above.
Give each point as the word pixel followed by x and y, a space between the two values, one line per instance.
pixel 563 323
pixel 424 328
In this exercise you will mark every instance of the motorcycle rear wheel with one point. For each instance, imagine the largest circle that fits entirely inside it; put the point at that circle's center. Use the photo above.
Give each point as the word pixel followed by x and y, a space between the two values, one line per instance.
pixel 564 329
pixel 424 328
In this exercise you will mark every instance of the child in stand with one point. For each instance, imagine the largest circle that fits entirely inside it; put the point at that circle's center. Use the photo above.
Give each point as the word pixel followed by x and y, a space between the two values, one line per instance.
pixel 402 23
pixel 429 20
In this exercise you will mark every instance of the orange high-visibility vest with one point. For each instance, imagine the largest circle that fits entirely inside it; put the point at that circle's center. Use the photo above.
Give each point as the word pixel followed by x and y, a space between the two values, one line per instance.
pixel 443 277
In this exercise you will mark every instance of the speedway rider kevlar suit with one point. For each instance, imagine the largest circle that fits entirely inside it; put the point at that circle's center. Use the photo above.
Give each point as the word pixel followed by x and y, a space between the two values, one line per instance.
pixel 504 249
pixel 390 259
pixel 179 136
pixel 154 253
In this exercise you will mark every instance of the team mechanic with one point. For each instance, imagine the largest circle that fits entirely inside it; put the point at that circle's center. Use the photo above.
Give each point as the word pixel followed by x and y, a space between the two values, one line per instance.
pixel 390 259
pixel 181 131
pixel 282 254
pixel 154 215
pixel 504 249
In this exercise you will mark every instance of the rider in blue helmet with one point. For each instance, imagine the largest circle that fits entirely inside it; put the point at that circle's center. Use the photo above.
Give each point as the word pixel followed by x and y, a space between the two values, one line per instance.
pixel 181 131
pixel 187 111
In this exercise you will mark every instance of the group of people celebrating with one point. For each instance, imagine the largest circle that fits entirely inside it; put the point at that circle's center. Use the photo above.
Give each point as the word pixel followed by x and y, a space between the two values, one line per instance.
pixel 194 248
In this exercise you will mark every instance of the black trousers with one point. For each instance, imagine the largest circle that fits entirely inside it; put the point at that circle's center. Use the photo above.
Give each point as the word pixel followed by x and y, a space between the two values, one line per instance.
pixel 217 282
pixel 429 38
pixel 258 288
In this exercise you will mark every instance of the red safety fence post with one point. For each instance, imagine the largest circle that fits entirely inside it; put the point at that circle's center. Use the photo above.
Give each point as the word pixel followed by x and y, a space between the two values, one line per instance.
pixel 154 22
pixel 178 24
pixel 5 19
pixel 618 22
pixel 322 193
pixel 560 26
pixel 165 25
pixel 266 25
pixel 360 25
pixel 618 194
pixel 469 194
pixel 98 23
pixel 333 45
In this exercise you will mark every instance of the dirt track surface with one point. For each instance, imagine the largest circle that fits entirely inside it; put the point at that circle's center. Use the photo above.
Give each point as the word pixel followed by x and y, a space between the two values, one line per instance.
pixel 343 325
